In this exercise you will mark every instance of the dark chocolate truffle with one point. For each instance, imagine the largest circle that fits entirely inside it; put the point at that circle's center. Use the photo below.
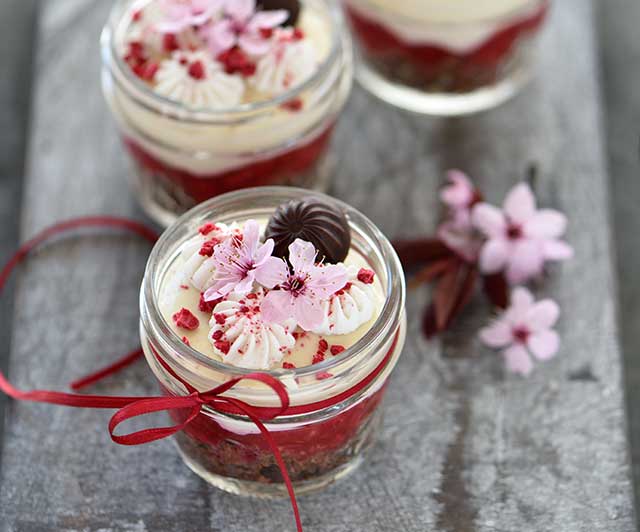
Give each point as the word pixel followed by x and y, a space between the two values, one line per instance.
pixel 309 219
pixel 292 6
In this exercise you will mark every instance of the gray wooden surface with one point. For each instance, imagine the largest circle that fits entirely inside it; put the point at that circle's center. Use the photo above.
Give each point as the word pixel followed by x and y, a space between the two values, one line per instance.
pixel 465 447
pixel 621 77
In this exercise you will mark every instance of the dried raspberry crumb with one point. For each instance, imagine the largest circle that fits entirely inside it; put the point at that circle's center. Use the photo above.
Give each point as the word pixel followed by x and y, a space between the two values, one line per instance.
pixel 223 346
pixel 288 365
pixel 317 358
pixel 217 335
pixel 220 318
pixel 298 34
pixel 244 309
pixel 207 228
pixel 196 70
pixel 323 375
pixel 207 306
pixel 236 61
pixel 146 71
pixel 186 340
pixel 136 16
pixel 366 276
pixel 252 296
pixel 136 50
pixel 266 33
pixel 323 345
pixel 294 105
pixel 183 61
pixel 170 42
pixel 186 320
pixel 184 286
pixel 336 349
pixel 207 248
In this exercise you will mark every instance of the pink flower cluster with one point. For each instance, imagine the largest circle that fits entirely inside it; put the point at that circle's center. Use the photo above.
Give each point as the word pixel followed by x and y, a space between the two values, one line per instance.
pixel 295 292
pixel 516 240
pixel 224 24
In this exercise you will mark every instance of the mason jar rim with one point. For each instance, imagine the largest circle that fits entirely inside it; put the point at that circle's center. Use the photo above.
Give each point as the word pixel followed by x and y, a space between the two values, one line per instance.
pixel 386 325
pixel 111 59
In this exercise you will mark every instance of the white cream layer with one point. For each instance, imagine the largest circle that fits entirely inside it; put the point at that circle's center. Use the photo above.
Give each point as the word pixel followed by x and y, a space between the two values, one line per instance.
pixel 205 148
pixel 457 25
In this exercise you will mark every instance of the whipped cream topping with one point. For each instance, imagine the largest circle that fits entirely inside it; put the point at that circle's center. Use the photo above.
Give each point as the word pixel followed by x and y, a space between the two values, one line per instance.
pixel 195 79
pixel 232 329
pixel 350 307
pixel 457 25
pixel 290 62
pixel 242 338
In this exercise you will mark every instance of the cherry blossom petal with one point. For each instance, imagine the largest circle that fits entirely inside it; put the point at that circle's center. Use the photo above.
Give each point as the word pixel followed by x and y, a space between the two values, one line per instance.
pixel 245 285
pixel 267 19
pixel 546 223
pixel 460 192
pixel 493 255
pixel 489 220
pixel 220 289
pixel 525 261
pixel 251 236
pixel 254 44
pixel 556 250
pixel 518 360
pixel 520 203
pixel 327 280
pixel 272 272
pixel 240 10
pixel 220 36
pixel 308 313
pixel 542 315
pixel 277 306
pixel 521 303
pixel 544 344
pixel 263 253
pixel 302 256
pixel 496 335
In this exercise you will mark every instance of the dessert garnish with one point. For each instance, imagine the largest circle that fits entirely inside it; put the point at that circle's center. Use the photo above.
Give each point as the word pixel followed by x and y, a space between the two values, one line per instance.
pixel 325 226
pixel 303 288
pixel 241 336
pixel 213 54
pixel 505 247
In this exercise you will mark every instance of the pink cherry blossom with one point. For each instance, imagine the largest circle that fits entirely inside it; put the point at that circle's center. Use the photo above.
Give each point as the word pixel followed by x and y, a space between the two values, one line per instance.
pixel 244 27
pixel 520 238
pixel 456 231
pixel 524 329
pixel 181 14
pixel 239 262
pixel 303 290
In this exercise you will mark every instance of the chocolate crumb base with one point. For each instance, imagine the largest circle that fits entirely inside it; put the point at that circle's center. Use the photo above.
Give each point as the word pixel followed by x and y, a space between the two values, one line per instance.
pixel 452 75
pixel 232 459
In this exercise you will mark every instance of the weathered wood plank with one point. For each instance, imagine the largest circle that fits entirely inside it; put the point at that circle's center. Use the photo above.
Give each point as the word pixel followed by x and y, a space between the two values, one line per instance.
pixel 620 55
pixel 465 447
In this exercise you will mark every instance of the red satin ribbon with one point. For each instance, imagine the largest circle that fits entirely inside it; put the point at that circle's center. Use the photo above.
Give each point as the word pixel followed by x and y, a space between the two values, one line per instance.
pixel 131 407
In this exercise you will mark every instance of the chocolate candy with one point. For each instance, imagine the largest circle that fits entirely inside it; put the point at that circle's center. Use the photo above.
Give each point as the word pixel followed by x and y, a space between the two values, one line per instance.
pixel 292 6
pixel 325 226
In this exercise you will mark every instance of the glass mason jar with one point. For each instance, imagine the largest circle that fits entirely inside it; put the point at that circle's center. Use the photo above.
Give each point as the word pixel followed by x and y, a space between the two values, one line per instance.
pixel 183 156
pixel 319 445
pixel 445 57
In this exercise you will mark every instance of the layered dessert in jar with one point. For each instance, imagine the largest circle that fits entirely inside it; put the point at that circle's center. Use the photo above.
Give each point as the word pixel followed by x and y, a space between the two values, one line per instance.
pixel 290 283
pixel 212 96
pixel 445 56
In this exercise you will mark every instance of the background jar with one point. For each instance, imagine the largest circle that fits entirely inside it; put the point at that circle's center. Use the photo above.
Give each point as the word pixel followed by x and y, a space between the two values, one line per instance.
pixel 439 59
pixel 318 446
pixel 182 156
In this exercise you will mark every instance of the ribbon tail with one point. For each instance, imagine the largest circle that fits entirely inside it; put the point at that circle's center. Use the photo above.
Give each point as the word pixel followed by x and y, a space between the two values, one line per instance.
pixel 276 454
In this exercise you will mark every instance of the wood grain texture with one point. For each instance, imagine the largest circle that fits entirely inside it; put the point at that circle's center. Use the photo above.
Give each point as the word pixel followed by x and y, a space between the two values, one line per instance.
pixel 465 447
pixel 621 77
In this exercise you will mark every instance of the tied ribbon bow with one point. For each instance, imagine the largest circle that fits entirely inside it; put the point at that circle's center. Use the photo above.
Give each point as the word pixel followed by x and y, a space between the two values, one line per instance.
pixel 131 407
